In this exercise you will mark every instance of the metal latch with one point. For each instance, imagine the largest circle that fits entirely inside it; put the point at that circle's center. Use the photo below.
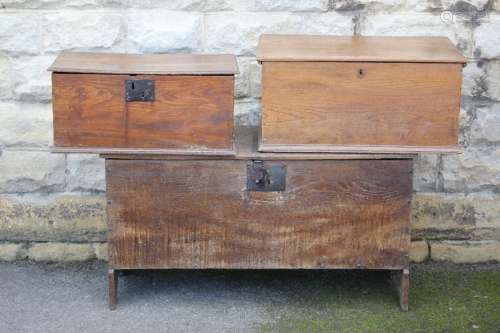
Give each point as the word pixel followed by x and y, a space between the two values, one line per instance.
pixel 266 178
pixel 139 90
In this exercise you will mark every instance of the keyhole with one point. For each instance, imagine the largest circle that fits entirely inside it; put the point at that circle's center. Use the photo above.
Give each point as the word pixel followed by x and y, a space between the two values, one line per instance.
pixel 361 73
pixel 133 85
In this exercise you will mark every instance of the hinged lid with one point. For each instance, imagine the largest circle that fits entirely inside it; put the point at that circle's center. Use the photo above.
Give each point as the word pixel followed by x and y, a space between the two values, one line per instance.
pixel 357 49
pixel 167 64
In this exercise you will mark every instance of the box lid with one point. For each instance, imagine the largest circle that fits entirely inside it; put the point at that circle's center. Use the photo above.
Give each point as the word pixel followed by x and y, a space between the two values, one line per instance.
pixel 357 49
pixel 168 64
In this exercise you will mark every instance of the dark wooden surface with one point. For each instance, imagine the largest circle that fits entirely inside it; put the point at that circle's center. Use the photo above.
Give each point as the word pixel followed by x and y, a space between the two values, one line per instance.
pixel 116 63
pixel 191 114
pixel 330 107
pixel 357 48
pixel 197 214
pixel 404 289
pixel 112 289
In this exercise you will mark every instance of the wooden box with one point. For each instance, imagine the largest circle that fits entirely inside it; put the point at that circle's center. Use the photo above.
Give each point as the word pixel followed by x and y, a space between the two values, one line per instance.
pixel 129 103
pixel 359 94
pixel 259 210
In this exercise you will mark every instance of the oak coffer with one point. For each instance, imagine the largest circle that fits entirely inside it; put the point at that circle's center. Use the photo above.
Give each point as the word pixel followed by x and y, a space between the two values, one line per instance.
pixel 359 94
pixel 130 103
pixel 259 210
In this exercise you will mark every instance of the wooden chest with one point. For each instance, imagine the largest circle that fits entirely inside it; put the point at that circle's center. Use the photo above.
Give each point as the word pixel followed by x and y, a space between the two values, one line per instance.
pixel 180 104
pixel 359 94
pixel 259 210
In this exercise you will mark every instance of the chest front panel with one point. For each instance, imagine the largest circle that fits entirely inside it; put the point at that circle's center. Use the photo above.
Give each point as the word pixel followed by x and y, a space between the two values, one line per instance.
pixel 192 113
pixel 360 107
pixel 200 214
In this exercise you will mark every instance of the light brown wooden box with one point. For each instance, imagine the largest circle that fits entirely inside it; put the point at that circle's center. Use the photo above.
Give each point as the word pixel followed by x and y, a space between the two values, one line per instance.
pixel 359 94
pixel 192 110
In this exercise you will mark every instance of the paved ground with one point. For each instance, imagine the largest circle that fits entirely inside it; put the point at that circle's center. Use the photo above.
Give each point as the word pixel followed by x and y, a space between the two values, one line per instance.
pixel 72 298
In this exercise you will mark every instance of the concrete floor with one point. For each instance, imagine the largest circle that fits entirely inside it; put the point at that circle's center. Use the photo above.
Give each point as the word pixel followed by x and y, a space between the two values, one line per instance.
pixel 38 297
pixel 72 298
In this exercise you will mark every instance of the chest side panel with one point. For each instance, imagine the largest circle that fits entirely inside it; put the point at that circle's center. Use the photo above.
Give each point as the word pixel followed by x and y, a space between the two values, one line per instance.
pixel 198 214
pixel 360 104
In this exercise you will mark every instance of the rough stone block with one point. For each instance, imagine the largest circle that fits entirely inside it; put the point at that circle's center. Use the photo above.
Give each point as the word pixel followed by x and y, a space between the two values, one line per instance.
pixel 247 113
pixel 455 216
pixel 53 4
pixel 462 252
pixel 80 30
pixel 460 8
pixel 477 168
pixel 291 5
pixel 419 251
pixel 491 82
pixel 487 233
pixel 187 5
pixel 242 80
pixel 65 218
pixel 473 81
pixel 32 81
pixel 61 252
pixel 255 79
pixel 486 126
pixel 238 33
pixel 467 116
pixel 422 24
pixel 425 172
pixel 372 5
pixel 12 251
pixel 25 125
pixel 5 78
pixel 463 6
pixel 164 31
pixel 482 79
pixel 496 5
pixel 86 173
pixel 31 171
pixel 486 37
pixel 101 251
pixel 19 33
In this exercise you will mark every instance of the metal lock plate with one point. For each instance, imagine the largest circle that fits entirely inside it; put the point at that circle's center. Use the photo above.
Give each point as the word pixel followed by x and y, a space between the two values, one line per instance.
pixel 266 178
pixel 139 90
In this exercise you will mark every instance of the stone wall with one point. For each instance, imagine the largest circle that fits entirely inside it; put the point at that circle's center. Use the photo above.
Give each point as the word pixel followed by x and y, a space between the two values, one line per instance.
pixel 52 205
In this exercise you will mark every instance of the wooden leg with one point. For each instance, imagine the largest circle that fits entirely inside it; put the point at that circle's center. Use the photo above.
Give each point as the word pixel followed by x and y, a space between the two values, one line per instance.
pixel 112 289
pixel 404 288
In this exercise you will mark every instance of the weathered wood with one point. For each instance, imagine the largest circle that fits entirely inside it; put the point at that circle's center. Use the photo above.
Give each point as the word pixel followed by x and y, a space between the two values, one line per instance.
pixel 191 114
pixel 197 214
pixel 360 107
pixel 112 289
pixel 344 48
pixel 165 64
pixel 404 289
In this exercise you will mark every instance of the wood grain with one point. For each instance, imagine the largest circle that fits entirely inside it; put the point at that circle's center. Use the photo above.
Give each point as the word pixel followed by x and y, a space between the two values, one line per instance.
pixel 169 64
pixel 390 107
pixel 246 139
pixel 197 214
pixel 190 113
pixel 357 49
pixel 88 110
